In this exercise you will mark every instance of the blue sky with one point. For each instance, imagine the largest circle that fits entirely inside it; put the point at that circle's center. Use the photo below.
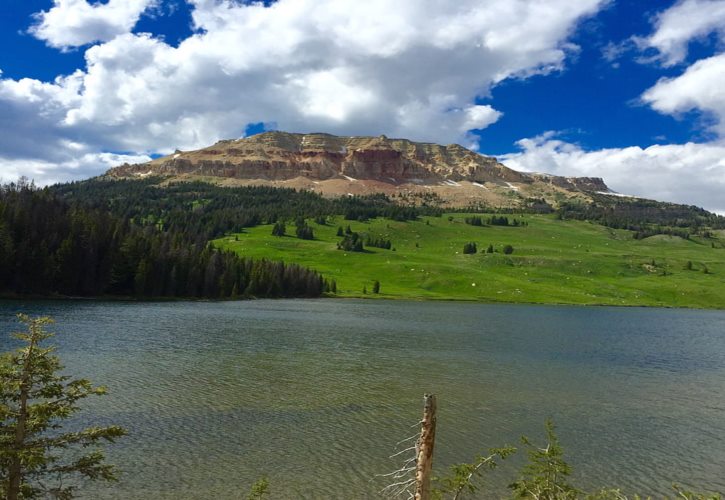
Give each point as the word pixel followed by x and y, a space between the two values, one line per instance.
pixel 591 101
pixel 625 90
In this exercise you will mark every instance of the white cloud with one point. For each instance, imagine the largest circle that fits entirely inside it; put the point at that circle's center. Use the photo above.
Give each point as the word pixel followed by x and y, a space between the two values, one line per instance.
pixel 681 23
pixel 410 68
pixel 75 168
pixel 74 23
pixel 692 174
pixel 701 86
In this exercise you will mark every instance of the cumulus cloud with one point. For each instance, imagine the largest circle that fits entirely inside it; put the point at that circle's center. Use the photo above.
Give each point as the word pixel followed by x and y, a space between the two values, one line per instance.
pixel 681 23
pixel 411 68
pixel 74 23
pixel 691 173
pixel 700 87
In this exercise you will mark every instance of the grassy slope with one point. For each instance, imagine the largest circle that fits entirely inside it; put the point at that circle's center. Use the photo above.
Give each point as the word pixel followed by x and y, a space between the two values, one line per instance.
pixel 554 262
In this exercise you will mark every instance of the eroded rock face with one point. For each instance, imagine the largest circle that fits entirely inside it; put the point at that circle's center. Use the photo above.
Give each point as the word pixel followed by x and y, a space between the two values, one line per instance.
pixel 588 184
pixel 335 166
pixel 279 156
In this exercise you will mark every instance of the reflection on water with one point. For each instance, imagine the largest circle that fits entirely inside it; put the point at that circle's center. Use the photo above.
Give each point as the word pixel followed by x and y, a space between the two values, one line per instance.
pixel 315 393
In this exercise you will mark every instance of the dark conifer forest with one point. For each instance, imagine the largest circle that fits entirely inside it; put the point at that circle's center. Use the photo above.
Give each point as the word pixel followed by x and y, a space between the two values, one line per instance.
pixel 209 211
pixel 643 217
pixel 52 243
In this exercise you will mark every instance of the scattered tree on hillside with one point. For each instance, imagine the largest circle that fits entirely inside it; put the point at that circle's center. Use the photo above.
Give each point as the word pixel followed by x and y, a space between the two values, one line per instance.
pixel 305 232
pixel 498 220
pixel 508 249
pixel 352 242
pixel 469 248
pixel 279 229
pixel 379 242
pixel 34 399
pixel 376 286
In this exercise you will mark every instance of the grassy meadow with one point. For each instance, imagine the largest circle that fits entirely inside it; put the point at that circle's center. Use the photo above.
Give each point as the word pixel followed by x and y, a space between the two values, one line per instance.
pixel 554 262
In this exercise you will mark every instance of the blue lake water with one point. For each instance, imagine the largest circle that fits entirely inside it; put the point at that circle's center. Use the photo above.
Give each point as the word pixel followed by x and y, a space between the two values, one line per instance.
pixel 316 393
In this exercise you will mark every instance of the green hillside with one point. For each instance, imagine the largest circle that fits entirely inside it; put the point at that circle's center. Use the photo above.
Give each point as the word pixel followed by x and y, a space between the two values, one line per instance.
pixel 554 261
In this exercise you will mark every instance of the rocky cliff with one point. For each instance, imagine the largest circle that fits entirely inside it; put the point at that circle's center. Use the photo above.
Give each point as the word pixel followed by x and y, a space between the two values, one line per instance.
pixel 345 165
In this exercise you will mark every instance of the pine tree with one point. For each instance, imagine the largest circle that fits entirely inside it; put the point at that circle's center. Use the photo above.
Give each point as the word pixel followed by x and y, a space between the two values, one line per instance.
pixel 469 248
pixel 376 286
pixel 34 399
pixel 545 476
pixel 279 229
pixel 304 232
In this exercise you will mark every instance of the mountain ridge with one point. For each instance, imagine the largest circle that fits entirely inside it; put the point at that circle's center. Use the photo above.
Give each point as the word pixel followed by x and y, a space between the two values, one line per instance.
pixel 340 165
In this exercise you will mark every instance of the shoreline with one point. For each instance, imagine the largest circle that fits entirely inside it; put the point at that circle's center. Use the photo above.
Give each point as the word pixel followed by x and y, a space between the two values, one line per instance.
pixel 371 297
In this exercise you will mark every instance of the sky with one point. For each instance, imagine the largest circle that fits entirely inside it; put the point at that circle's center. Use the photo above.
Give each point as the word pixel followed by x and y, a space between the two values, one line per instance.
pixel 632 91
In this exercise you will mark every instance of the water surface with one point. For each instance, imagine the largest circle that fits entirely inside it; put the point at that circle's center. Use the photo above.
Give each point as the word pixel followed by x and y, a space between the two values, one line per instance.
pixel 315 393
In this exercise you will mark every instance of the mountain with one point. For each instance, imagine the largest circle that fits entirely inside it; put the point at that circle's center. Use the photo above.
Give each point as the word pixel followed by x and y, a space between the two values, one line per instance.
pixel 333 165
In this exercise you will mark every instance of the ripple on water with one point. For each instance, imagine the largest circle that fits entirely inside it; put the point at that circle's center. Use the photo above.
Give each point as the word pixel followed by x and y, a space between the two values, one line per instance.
pixel 315 394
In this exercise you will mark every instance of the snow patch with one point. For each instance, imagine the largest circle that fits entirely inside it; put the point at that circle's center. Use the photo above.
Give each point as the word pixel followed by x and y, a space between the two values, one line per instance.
pixel 349 178
pixel 515 188
pixel 612 193
pixel 176 156
pixel 449 182
pixel 480 185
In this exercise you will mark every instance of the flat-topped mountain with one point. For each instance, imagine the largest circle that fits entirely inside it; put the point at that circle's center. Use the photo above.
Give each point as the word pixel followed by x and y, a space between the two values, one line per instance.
pixel 336 165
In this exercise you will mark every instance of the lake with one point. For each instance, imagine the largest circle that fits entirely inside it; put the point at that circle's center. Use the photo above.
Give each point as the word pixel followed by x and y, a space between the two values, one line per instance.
pixel 315 394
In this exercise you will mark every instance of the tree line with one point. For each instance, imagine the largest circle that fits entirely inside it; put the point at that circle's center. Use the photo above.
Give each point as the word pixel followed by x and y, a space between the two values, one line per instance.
pixel 494 220
pixel 210 211
pixel 55 246
pixel 643 217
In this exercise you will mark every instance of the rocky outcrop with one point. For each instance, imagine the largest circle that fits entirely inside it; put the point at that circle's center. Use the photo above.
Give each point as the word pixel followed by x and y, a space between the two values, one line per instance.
pixel 279 156
pixel 586 184
pixel 334 165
